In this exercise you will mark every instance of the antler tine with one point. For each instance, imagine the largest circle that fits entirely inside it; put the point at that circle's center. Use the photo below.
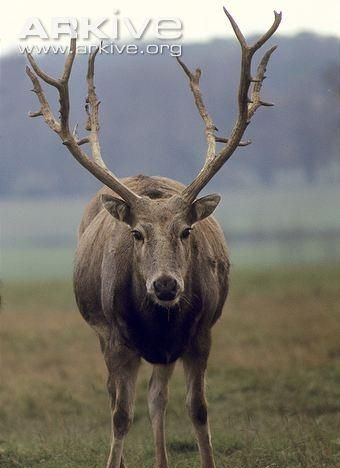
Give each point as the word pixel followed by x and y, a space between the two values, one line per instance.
pixel 45 110
pixel 276 23
pixel 255 100
pixel 92 109
pixel 96 167
pixel 240 37
pixel 61 84
pixel 194 81
pixel 44 76
pixel 246 106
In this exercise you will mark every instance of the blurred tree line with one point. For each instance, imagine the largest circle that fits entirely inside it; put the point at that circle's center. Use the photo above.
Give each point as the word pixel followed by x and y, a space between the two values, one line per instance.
pixel 149 123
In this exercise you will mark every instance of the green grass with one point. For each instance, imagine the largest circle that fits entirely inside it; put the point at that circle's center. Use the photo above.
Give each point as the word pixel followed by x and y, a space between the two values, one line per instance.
pixel 273 380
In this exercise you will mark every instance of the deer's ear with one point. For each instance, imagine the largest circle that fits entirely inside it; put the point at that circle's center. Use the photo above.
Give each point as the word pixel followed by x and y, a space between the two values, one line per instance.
pixel 117 208
pixel 203 207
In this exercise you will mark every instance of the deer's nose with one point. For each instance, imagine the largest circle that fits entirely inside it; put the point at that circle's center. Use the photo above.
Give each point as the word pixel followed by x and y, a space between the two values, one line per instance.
pixel 165 288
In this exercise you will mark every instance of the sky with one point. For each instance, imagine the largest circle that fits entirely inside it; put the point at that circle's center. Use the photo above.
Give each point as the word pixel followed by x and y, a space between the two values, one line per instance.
pixel 202 20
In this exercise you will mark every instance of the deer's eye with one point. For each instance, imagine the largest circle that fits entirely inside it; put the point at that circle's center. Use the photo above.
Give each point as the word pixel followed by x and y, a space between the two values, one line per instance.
pixel 137 235
pixel 186 233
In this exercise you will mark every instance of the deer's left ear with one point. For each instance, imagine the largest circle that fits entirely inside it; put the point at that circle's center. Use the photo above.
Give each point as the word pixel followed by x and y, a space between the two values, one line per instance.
pixel 203 207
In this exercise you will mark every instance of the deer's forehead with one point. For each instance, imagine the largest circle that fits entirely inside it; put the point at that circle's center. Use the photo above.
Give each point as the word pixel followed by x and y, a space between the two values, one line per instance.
pixel 164 223
pixel 160 220
pixel 161 212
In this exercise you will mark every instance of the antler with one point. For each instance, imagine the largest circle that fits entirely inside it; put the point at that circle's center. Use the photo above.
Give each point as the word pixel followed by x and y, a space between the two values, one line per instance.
pixel 96 165
pixel 246 107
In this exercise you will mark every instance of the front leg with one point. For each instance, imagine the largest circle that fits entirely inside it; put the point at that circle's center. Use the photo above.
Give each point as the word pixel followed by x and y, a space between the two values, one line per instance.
pixel 195 364
pixel 123 365
pixel 157 401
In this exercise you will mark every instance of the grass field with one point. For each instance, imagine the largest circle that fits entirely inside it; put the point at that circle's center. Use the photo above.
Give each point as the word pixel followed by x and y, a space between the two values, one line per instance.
pixel 273 381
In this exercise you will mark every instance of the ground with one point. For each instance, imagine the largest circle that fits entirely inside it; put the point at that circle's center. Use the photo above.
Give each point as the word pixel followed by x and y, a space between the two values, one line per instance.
pixel 273 381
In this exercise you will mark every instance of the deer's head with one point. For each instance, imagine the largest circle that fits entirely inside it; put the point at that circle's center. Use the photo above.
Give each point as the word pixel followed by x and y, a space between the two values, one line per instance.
pixel 162 231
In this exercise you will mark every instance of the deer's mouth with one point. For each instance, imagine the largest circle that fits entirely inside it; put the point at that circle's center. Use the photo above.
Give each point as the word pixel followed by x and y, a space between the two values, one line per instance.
pixel 167 304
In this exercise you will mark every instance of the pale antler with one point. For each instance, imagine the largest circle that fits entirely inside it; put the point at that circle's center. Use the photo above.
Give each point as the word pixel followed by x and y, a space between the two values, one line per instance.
pixel 96 165
pixel 246 107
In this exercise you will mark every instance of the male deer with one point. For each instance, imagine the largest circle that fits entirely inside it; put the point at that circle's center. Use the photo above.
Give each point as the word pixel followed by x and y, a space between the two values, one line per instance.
pixel 151 268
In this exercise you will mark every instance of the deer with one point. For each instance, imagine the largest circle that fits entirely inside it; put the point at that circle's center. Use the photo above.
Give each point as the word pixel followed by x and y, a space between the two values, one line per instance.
pixel 151 270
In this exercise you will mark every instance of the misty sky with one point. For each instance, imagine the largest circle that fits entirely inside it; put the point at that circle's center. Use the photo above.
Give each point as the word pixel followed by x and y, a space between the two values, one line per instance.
pixel 202 20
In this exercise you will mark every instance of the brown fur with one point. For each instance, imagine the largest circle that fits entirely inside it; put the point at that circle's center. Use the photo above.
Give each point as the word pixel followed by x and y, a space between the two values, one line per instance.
pixel 111 275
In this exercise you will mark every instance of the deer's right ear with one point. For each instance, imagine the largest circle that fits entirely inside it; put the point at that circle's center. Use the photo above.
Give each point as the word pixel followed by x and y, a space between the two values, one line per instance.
pixel 117 208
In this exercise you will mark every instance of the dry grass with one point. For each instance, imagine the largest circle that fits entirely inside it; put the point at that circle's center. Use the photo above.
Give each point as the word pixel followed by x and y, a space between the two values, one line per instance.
pixel 273 381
